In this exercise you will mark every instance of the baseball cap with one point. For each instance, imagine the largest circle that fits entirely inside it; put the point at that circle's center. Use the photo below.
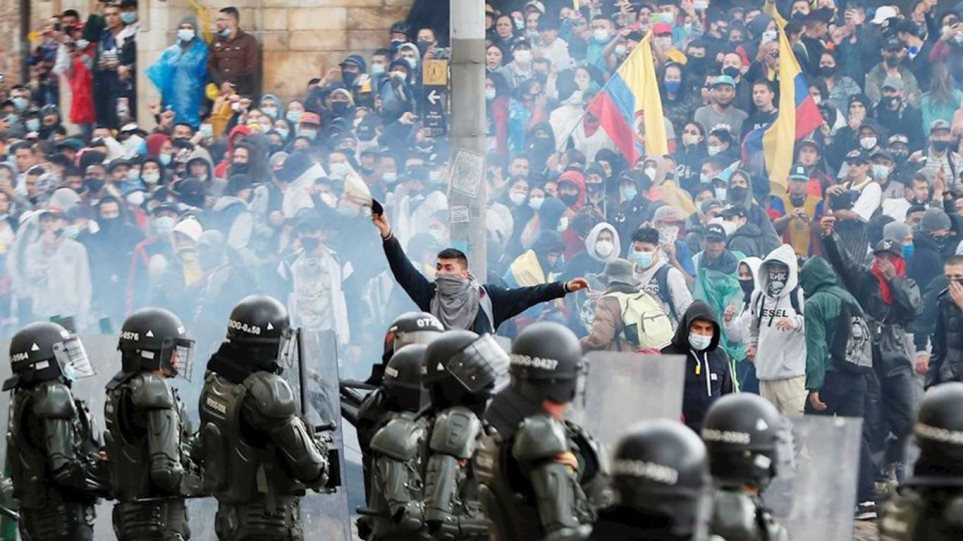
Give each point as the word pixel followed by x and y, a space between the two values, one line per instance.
pixel 893 82
pixel 715 232
pixel 798 173
pixel 661 28
pixel 893 44
pixel 884 13
pixel 735 211
pixel 939 125
pixel 882 153
pixel 310 118
pixel 724 80
pixel 667 213
pixel 857 156
pixel 889 246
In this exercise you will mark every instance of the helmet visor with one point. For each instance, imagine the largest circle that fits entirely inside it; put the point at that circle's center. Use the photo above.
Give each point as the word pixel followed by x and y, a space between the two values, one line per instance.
pixel 479 365
pixel 403 338
pixel 184 363
pixel 289 348
pixel 73 359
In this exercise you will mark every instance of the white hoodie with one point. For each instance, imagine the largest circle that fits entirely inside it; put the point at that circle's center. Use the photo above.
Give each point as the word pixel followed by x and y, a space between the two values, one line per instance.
pixel 780 354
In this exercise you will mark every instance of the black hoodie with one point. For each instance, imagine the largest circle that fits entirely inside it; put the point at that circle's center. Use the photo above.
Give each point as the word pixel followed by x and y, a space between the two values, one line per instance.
pixel 707 374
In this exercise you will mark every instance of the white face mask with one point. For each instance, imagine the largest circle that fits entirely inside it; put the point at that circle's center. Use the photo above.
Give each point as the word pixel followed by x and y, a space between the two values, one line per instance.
pixel 867 143
pixel 650 172
pixel 689 139
pixel 562 224
pixel 185 34
pixel 150 178
pixel 699 342
pixel 668 234
pixel 523 56
pixel 377 68
pixel 339 169
pixel 620 50
pixel 536 202
pixel 604 248
pixel 517 198
pixel 389 177
pixel 713 150
pixel 769 35
pixel 329 199
pixel 600 34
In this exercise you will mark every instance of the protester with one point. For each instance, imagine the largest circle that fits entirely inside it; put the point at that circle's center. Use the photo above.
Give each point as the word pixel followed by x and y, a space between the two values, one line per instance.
pixel 707 372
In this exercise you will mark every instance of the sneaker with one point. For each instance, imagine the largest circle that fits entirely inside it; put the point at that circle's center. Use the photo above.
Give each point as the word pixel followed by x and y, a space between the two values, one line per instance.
pixel 866 511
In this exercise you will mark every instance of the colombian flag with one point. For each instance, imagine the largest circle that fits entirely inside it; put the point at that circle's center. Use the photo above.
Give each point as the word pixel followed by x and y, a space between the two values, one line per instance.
pixel 798 116
pixel 630 98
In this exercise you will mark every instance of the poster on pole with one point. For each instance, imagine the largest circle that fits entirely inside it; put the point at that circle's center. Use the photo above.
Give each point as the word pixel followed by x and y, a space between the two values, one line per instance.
pixel 467 172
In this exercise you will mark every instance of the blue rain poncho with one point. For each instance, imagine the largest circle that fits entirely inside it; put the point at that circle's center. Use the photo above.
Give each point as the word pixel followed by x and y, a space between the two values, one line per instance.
pixel 180 74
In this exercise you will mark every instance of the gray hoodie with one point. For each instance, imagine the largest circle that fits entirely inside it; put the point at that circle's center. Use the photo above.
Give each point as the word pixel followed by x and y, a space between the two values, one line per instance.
pixel 780 354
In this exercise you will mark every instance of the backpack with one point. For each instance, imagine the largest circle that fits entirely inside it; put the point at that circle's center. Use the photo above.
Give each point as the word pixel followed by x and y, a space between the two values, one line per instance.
pixel 645 324
pixel 852 347
pixel 661 289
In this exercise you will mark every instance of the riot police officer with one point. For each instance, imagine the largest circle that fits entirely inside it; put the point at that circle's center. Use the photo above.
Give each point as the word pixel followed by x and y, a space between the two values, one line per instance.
pixel 54 463
pixel 742 433
pixel 538 470
pixel 408 328
pixel 396 510
pixel 258 454
pixel 661 477
pixel 459 369
pixel 148 434
pixel 929 505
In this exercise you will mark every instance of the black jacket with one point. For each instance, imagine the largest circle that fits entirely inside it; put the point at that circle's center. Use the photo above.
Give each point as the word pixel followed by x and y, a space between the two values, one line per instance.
pixel 748 240
pixel 889 323
pixel 707 377
pixel 506 303
pixel 947 342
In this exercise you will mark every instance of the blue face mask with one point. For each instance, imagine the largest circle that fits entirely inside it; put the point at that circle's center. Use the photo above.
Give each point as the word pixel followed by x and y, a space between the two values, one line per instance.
pixel 673 86
pixel 628 193
pixel 699 342
pixel 226 33
pixel 643 260
pixel 294 116
pixel 908 250
pixel 128 17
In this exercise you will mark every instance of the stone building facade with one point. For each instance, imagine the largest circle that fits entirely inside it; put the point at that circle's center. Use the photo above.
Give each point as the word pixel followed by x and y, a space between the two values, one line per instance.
pixel 300 39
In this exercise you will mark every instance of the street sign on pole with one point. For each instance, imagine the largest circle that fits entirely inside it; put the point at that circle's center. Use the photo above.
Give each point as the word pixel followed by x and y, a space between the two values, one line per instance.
pixel 434 79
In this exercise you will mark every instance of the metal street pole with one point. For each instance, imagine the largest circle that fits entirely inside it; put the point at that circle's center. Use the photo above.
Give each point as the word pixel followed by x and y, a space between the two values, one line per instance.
pixel 467 194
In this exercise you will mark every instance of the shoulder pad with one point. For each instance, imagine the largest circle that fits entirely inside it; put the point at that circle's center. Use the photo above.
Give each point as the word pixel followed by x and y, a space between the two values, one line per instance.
pixel 454 432
pixel 54 401
pixel 398 439
pixel 734 515
pixel 539 437
pixel 272 396
pixel 151 391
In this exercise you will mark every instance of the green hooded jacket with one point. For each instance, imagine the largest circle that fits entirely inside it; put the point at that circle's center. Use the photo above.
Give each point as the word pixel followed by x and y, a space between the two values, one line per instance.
pixel 824 302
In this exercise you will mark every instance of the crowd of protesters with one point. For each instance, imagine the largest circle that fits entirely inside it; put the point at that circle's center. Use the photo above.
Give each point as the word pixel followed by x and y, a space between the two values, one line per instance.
pixel 233 191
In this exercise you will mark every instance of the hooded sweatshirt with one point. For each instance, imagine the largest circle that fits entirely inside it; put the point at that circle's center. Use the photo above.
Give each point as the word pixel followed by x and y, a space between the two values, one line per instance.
pixel 769 239
pixel 823 308
pixel 738 329
pixel 707 374
pixel 781 354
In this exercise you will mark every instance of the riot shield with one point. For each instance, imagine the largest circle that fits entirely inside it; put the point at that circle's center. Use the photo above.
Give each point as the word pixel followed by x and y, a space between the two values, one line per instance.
pixel 814 491
pixel 620 389
pixel 315 381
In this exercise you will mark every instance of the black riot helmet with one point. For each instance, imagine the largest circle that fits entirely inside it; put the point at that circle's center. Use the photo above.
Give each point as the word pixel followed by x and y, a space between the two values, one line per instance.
pixel 939 434
pixel 660 470
pixel 260 328
pixel 150 339
pixel 460 368
pixel 546 361
pixel 410 328
pixel 743 433
pixel 402 378
pixel 46 351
